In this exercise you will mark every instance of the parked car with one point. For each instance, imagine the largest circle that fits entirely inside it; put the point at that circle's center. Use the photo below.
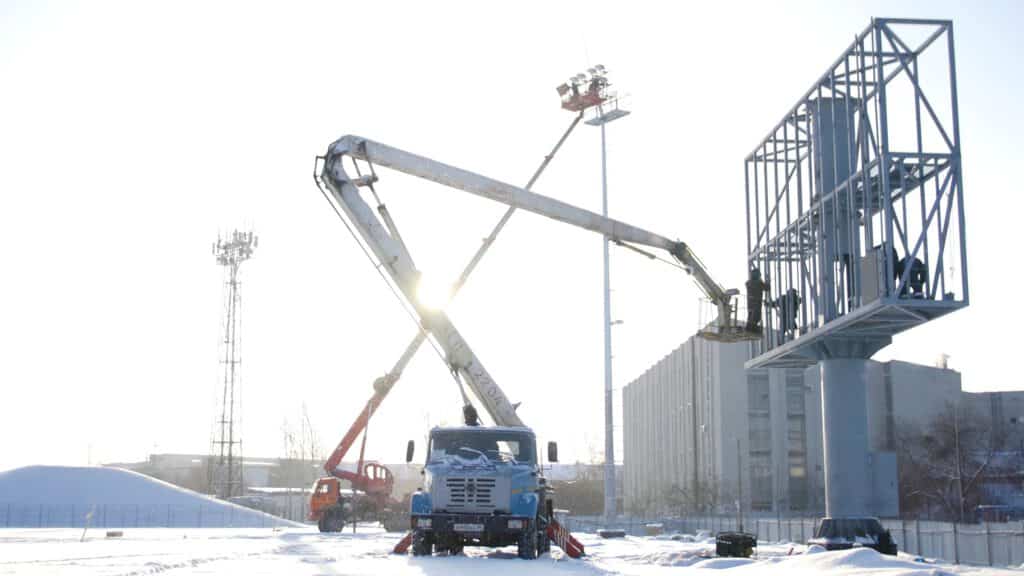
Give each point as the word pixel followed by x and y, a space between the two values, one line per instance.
pixel 845 533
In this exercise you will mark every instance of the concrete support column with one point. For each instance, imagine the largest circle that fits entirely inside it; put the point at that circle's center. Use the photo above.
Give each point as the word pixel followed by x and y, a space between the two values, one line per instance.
pixel 845 436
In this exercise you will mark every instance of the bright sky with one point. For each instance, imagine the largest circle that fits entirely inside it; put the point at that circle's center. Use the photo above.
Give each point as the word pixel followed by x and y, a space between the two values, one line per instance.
pixel 132 133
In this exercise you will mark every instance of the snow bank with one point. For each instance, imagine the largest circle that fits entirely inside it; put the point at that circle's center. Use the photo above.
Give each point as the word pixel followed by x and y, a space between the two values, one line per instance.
pixel 57 496
pixel 845 560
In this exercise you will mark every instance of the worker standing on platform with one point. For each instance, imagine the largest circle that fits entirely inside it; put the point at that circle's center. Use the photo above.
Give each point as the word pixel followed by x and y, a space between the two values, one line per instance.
pixel 755 299
pixel 918 276
pixel 789 308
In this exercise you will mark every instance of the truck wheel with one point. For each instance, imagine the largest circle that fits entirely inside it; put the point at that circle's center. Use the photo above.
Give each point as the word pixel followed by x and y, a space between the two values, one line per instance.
pixel 449 545
pixel 453 546
pixel 422 543
pixel 334 519
pixel 528 542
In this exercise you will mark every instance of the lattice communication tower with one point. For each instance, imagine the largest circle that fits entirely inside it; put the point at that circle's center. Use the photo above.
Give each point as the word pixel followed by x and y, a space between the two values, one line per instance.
pixel 226 462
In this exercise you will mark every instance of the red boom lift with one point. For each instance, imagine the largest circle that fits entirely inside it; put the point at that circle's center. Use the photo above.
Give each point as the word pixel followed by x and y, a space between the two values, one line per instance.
pixel 329 507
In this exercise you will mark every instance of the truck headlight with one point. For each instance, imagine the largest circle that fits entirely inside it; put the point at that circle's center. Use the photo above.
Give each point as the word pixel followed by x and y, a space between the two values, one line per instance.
pixel 515 524
pixel 423 522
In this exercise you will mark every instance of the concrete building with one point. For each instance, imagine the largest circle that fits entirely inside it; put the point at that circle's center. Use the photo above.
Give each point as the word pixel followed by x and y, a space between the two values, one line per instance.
pixel 1005 412
pixel 701 433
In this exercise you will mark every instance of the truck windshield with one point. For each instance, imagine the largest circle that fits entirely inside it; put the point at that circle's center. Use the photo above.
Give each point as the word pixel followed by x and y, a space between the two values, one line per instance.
pixel 497 446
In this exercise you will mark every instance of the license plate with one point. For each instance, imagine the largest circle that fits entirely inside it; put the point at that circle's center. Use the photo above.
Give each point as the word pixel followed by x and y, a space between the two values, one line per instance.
pixel 469 527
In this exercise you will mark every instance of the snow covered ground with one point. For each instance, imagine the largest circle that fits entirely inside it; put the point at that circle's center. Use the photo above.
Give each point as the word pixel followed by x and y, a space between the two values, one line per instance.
pixel 303 551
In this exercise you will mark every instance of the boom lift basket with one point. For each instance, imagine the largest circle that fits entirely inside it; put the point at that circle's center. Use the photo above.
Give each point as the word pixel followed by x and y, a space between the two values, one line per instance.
pixel 711 328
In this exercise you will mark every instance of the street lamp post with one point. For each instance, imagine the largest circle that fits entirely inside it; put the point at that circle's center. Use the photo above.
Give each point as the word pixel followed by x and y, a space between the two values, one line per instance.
pixel 582 92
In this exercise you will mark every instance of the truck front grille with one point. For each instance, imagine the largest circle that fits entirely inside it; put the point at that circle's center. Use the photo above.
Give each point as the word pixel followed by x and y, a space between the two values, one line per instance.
pixel 471 494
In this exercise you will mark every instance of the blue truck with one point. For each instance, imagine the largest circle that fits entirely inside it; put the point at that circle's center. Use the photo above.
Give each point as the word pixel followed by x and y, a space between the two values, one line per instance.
pixel 482 486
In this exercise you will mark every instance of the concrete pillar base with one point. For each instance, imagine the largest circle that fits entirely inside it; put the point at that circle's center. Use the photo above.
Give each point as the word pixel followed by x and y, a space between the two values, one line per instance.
pixel 845 436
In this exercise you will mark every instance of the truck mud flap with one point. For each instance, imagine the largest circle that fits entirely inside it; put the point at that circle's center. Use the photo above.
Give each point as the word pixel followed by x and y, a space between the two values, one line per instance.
pixel 564 540
pixel 403 545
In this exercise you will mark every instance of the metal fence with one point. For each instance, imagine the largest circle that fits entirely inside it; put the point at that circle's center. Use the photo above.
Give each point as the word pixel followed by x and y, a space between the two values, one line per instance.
pixel 13 515
pixel 989 544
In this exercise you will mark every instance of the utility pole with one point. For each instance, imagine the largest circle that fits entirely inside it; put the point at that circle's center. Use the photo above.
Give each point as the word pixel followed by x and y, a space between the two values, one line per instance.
pixel 609 419
pixel 582 92
pixel 607 111
pixel 959 464
pixel 739 484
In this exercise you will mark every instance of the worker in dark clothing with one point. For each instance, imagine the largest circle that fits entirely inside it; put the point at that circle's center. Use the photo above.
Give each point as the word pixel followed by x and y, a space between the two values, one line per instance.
pixel 897 266
pixel 918 276
pixel 470 416
pixel 755 299
pixel 789 308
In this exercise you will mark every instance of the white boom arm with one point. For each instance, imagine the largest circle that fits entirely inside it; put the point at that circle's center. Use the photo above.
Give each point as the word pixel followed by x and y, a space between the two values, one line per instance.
pixel 393 256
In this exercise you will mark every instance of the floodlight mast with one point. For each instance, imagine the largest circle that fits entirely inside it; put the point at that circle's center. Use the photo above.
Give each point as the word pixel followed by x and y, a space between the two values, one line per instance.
pixel 599 92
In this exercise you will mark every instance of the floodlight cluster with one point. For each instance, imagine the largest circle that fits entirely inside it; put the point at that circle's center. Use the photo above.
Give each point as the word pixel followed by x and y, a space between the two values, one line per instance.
pixel 585 89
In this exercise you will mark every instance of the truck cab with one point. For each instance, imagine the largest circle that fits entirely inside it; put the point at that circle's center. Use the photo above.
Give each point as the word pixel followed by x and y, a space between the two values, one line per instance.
pixel 329 505
pixel 482 486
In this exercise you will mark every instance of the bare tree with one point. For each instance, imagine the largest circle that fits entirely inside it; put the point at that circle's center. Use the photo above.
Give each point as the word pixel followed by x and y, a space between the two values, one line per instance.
pixel 943 467
pixel 310 439
pixel 700 498
pixel 583 494
pixel 302 452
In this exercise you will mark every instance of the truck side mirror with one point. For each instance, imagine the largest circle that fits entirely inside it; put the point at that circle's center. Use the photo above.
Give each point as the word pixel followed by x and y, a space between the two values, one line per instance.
pixel 410 448
pixel 552 452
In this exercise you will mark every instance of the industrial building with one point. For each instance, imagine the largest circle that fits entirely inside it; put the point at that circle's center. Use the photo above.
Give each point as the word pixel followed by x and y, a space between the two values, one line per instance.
pixel 696 418
pixel 701 433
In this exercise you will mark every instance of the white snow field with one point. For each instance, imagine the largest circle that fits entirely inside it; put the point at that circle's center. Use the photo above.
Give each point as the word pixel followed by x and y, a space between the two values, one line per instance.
pixel 305 552
pixel 63 496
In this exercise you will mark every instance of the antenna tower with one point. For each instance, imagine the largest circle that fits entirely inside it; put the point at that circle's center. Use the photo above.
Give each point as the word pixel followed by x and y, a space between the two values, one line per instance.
pixel 226 469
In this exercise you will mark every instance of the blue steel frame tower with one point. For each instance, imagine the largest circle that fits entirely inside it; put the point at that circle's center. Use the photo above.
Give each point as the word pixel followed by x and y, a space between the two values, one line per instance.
pixel 855 218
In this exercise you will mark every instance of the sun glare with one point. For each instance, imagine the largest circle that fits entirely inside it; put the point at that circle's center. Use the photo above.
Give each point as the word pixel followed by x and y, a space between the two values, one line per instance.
pixel 433 292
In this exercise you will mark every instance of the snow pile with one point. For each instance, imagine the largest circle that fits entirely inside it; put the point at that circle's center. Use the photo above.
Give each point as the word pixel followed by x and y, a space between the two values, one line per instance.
pixel 857 561
pixel 623 556
pixel 56 496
